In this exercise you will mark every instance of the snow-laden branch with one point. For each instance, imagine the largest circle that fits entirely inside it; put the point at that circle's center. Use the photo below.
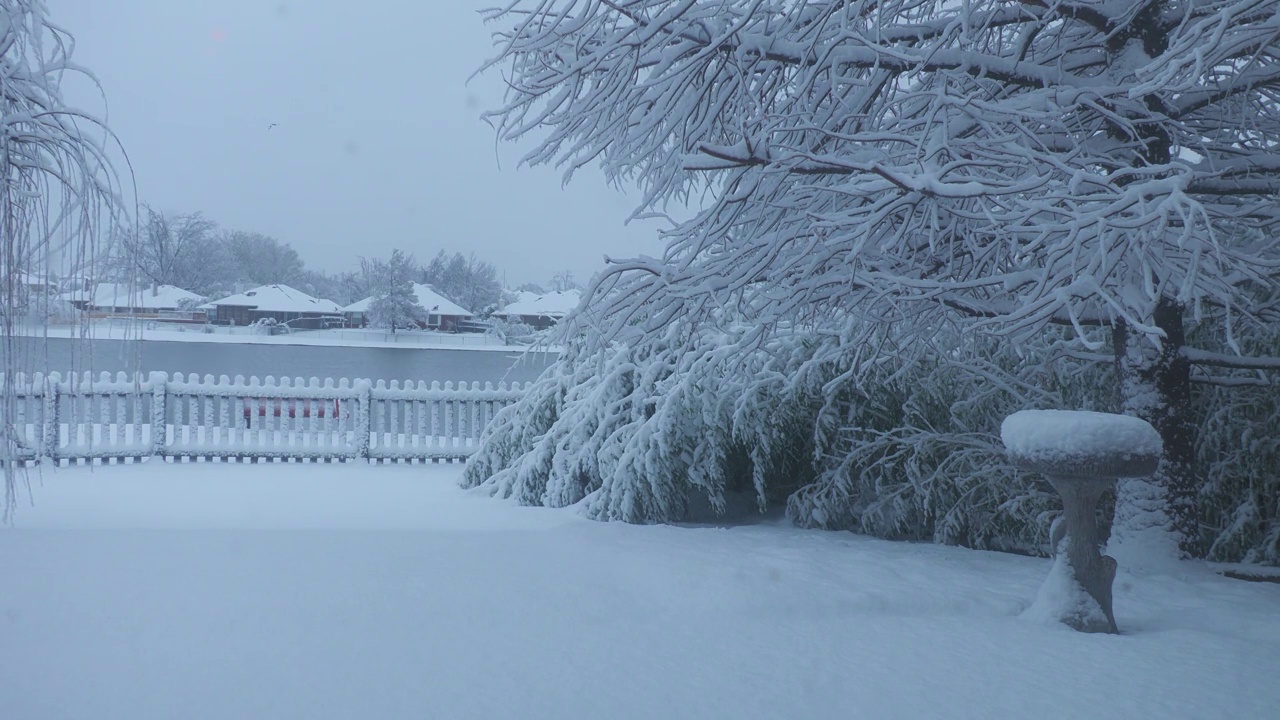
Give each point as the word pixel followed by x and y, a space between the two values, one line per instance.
pixel 1230 382
pixel 1221 360
pixel 59 189
pixel 1021 163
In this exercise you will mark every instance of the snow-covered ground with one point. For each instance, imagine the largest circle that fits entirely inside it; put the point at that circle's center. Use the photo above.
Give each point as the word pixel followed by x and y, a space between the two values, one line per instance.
pixel 351 591
pixel 155 331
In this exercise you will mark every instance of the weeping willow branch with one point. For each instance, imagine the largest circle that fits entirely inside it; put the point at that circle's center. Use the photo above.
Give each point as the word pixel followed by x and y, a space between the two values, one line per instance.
pixel 58 190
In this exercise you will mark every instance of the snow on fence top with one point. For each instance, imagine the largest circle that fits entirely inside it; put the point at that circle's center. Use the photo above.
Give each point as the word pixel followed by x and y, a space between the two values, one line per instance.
pixel 269 385
pixel 83 416
pixel 1083 443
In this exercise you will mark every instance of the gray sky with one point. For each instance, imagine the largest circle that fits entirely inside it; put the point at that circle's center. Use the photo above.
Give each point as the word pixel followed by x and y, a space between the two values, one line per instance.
pixel 378 143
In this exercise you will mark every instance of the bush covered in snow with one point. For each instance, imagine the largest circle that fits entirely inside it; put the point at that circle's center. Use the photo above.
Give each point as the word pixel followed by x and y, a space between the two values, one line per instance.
pixel 266 326
pixel 827 425
pixel 811 421
pixel 639 434
pixel 511 331
pixel 1239 460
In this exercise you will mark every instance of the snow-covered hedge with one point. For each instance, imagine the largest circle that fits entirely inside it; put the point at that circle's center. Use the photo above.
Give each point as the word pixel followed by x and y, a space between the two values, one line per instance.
pixel 922 459
pixel 846 436
pixel 808 420
pixel 642 434
pixel 1239 459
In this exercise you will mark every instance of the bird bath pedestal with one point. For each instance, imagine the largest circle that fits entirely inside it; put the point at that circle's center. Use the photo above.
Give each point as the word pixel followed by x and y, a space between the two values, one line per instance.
pixel 1081 454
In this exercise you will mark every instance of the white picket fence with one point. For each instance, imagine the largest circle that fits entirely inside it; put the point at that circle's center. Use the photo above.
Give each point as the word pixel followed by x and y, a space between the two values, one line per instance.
pixel 83 418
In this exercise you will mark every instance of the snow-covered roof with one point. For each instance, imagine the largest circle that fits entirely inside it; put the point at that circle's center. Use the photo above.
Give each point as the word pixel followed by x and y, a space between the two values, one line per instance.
pixel 31 280
pixel 552 304
pixel 434 302
pixel 162 297
pixel 278 298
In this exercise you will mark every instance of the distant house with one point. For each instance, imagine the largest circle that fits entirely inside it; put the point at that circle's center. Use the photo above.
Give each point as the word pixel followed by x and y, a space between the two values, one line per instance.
pixel 541 311
pixel 278 302
pixel 23 289
pixel 34 284
pixel 128 300
pixel 74 283
pixel 442 314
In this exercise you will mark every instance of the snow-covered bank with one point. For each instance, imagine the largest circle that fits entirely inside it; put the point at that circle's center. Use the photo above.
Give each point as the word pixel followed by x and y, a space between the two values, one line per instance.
pixel 156 332
pixel 338 591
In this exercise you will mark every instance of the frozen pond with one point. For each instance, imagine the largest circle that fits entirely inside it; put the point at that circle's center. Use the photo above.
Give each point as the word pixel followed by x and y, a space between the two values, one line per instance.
pixel 305 361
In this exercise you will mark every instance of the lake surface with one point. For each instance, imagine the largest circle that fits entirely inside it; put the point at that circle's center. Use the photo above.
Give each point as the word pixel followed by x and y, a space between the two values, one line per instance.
pixel 305 361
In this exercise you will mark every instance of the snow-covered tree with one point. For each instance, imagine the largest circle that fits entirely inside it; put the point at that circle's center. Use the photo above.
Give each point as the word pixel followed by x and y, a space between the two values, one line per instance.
pixel 58 189
pixel 564 281
pixel 464 279
pixel 1106 167
pixel 262 260
pixel 395 304
pixel 183 250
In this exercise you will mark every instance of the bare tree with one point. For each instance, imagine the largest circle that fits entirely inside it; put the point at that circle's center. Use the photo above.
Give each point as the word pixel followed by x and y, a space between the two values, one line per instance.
pixel 564 280
pixel 183 250
pixel 1108 167
pixel 318 283
pixel 467 280
pixel 262 260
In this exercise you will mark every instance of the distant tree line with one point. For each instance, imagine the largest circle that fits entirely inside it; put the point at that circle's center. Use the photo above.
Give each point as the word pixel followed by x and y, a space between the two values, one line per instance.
pixel 190 251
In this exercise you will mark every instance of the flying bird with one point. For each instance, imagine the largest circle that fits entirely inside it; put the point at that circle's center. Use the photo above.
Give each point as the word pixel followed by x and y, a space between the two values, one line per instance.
pixel 272 125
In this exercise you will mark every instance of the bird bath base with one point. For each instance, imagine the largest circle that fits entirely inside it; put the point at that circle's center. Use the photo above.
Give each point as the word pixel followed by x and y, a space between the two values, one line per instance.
pixel 1089 568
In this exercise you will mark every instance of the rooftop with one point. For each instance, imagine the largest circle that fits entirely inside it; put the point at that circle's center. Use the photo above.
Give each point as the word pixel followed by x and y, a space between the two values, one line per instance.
pixel 160 297
pixel 278 298
pixel 428 298
pixel 552 304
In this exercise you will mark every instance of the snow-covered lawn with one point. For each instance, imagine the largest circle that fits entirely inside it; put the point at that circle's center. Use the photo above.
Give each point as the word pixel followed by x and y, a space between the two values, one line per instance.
pixel 350 591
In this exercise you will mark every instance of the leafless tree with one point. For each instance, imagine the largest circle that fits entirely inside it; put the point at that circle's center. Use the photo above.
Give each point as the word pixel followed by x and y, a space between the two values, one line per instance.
pixel 262 260
pixel 182 250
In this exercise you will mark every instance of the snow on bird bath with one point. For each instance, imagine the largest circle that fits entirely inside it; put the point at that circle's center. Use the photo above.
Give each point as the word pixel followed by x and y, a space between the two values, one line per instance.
pixel 1081 454
pixel 1044 438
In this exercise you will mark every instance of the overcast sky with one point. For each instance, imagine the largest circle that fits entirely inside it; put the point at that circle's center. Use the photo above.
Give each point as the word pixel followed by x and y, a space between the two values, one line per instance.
pixel 378 142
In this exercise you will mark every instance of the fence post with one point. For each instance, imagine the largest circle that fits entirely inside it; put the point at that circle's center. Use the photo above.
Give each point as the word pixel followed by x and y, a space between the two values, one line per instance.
pixel 364 400
pixel 52 423
pixel 159 429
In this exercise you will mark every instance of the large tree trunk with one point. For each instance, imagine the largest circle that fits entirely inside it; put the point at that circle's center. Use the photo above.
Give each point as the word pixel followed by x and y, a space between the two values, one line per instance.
pixel 1158 513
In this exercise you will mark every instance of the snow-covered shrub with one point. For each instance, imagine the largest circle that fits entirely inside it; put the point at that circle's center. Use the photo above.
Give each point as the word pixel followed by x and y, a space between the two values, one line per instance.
pixel 52 311
pixel 265 326
pixel 511 331
pixel 850 434
pixel 920 455
pixel 813 420
pixel 1238 457
pixel 641 434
